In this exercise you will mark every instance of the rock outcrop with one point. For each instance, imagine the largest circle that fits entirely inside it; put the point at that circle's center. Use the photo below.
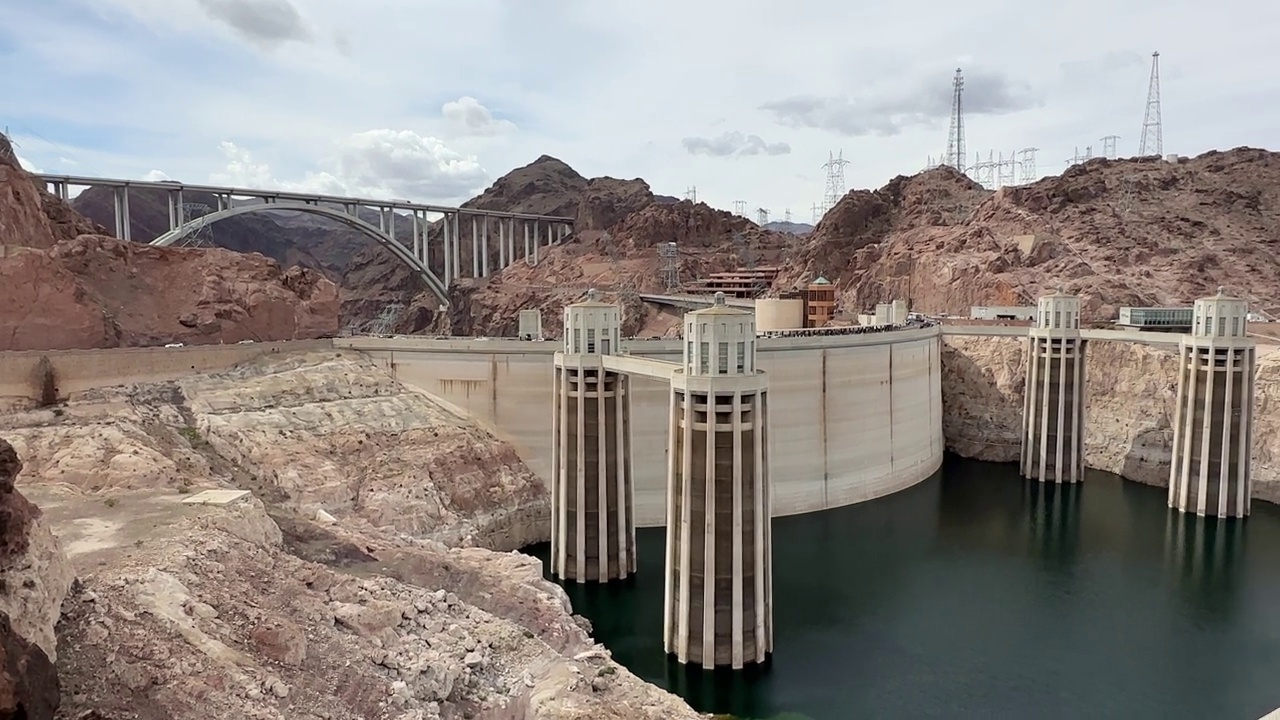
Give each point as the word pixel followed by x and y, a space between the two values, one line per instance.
pixel 342 587
pixel 1129 404
pixel 1117 232
pixel 34 579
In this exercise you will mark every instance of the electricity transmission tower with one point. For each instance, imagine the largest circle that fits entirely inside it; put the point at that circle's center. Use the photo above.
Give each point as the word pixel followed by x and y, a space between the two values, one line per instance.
pixel 762 216
pixel 384 323
pixel 1152 132
pixel 1028 165
pixel 670 265
pixel 740 207
pixel 955 156
pixel 691 194
pixel 1109 146
pixel 835 179
pixel 786 215
pixel 818 212
pixel 1077 158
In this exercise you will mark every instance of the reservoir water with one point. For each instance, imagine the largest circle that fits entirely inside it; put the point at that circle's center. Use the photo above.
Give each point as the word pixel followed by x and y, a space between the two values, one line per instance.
pixel 976 594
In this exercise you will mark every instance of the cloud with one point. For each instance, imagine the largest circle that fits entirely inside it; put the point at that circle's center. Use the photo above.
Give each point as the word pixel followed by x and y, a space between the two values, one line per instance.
pixel 26 165
pixel 381 164
pixel 467 117
pixel 266 23
pixel 733 143
pixel 891 112
pixel 156 176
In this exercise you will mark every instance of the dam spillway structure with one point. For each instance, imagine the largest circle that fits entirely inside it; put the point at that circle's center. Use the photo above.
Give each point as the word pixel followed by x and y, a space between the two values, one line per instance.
pixel 719 578
pixel 1053 404
pixel 593 535
pixel 1213 421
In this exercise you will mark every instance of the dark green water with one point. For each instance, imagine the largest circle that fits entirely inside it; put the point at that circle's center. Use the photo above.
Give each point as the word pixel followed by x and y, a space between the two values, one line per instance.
pixel 978 595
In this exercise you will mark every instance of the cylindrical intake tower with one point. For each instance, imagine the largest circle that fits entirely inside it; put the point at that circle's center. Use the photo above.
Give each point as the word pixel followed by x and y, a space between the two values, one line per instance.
pixel 719 575
pixel 593 535
pixel 1213 424
pixel 1053 406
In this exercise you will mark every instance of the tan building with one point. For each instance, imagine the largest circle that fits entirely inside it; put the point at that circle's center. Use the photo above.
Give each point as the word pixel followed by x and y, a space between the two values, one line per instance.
pixel 819 303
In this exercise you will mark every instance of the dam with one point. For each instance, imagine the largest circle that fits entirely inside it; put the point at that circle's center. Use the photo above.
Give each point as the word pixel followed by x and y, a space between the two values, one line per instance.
pixel 853 416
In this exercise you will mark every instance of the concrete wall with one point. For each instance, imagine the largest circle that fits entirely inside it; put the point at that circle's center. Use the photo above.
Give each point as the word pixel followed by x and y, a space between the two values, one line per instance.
pixel 76 371
pixel 854 417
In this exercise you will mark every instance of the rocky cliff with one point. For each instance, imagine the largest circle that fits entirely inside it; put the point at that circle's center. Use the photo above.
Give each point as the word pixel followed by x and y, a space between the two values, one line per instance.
pixel 1117 232
pixel 68 287
pixel 1129 403
pixel 356 581
pixel 34 580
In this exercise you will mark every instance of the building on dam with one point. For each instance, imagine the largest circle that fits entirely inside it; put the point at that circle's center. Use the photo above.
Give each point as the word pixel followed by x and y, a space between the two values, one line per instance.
pixel 593 515
pixel 1213 422
pixel 1053 404
pixel 719 584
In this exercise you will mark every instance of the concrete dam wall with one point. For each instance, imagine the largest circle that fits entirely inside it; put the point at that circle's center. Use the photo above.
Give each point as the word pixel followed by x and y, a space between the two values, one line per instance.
pixel 853 417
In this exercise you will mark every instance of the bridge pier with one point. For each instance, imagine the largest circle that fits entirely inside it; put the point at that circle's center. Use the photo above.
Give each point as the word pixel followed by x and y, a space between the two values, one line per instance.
pixel 719 575
pixel 484 246
pixel 592 505
pixel 502 244
pixel 123 226
pixel 1213 423
pixel 1053 404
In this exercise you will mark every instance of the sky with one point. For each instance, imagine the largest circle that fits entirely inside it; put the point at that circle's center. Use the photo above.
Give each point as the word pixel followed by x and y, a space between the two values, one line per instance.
pixel 432 100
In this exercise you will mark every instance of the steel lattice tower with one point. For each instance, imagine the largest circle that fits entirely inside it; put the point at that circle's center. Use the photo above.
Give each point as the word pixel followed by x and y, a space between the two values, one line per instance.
pixel 1109 146
pixel 1027 165
pixel 835 179
pixel 1152 133
pixel 955 138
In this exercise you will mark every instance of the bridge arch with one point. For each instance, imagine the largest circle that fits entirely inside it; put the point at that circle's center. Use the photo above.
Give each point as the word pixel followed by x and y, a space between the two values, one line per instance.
pixel 405 255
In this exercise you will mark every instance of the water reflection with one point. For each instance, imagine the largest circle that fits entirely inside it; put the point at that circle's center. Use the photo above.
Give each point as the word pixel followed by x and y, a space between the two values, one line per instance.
pixel 1053 513
pixel 979 594
pixel 1205 558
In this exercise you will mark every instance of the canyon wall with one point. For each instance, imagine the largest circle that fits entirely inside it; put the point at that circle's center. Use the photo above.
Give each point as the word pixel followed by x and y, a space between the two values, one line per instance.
pixel 1129 404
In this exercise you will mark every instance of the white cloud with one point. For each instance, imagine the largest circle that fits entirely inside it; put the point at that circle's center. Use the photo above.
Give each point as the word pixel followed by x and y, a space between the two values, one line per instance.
pixel 156 176
pixel 101 83
pixel 733 144
pixel 27 165
pixel 466 116
pixel 375 164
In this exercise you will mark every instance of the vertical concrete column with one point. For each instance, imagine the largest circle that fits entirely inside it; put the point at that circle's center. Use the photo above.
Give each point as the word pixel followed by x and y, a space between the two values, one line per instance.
pixel 475 248
pixel 128 224
pixel 526 241
pixel 484 246
pixel 417 237
pixel 118 197
pixel 719 585
pixel 536 241
pixel 457 246
pixel 592 513
pixel 447 244
pixel 511 240
pixel 1053 405
pixel 502 243
pixel 1213 423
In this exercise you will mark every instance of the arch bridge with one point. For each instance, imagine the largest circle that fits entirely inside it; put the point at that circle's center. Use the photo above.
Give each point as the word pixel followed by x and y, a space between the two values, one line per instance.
pixel 434 234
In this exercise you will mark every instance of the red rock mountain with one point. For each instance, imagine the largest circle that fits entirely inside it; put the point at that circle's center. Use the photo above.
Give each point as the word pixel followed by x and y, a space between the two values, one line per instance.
pixel 64 284
pixel 1118 232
